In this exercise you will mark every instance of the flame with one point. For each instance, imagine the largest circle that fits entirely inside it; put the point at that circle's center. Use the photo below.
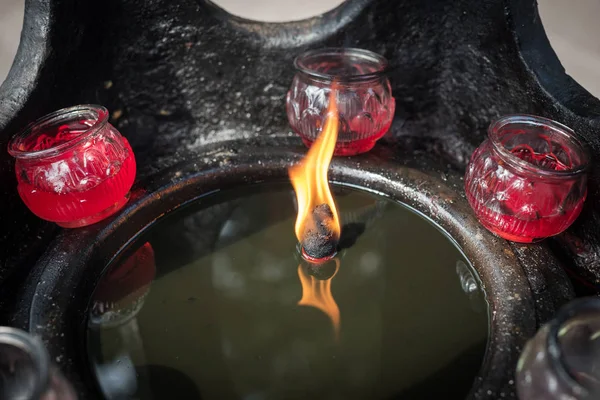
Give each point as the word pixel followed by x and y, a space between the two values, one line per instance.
pixel 317 293
pixel 309 177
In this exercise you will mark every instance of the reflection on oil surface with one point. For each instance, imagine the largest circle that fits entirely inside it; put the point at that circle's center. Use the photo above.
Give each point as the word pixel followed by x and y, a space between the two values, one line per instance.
pixel 209 304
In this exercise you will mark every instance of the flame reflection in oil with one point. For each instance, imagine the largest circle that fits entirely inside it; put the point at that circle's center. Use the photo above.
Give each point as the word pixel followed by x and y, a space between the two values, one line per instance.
pixel 317 293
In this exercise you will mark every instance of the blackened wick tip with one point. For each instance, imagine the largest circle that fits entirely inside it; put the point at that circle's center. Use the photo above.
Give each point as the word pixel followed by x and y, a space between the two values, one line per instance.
pixel 321 242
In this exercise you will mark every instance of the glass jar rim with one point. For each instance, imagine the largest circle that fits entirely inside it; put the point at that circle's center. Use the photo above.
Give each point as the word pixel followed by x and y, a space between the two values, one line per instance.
pixel 367 55
pixel 66 113
pixel 555 354
pixel 533 120
pixel 37 353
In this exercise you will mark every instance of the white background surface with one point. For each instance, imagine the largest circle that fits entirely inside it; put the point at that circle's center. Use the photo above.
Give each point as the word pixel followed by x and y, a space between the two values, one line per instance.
pixel 572 27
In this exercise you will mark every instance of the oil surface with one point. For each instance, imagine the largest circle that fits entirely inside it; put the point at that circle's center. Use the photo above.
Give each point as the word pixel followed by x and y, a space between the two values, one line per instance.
pixel 221 318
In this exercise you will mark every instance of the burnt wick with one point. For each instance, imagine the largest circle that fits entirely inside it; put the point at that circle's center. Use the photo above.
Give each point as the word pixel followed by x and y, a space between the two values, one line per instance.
pixel 322 240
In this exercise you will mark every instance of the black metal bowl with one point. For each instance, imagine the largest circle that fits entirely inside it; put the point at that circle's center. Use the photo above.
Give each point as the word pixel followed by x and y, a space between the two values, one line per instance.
pixel 54 302
pixel 182 77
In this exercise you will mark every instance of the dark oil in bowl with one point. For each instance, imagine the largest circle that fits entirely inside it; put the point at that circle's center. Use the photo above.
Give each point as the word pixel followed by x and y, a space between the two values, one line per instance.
pixel 221 318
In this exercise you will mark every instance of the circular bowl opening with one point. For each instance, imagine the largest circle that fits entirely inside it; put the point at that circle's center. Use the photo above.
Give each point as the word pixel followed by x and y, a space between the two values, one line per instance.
pixel 71 269
pixel 233 298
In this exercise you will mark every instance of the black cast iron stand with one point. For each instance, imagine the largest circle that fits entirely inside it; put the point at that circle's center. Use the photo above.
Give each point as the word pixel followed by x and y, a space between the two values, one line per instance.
pixel 183 78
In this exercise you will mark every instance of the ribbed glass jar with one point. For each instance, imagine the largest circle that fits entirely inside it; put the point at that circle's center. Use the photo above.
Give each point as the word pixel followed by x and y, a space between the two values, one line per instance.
pixel 73 167
pixel 528 180
pixel 364 97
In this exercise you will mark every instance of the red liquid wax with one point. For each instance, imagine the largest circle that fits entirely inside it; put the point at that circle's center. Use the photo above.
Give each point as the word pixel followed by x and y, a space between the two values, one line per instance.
pixel 81 186
pixel 365 104
pixel 521 208
pixel 352 147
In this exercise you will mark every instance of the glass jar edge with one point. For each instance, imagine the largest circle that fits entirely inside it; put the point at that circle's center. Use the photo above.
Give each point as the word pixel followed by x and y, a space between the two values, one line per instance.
pixel 523 166
pixel 63 147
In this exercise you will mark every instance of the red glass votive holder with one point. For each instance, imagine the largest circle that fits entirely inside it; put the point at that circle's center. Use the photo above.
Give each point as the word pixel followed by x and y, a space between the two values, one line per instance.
pixel 73 167
pixel 528 180
pixel 364 97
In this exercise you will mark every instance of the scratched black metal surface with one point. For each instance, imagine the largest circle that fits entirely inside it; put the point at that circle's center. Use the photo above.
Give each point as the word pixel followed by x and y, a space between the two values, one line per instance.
pixel 182 78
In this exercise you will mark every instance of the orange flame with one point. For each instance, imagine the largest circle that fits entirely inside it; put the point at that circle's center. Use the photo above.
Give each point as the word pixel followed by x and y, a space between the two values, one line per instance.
pixel 317 293
pixel 309 177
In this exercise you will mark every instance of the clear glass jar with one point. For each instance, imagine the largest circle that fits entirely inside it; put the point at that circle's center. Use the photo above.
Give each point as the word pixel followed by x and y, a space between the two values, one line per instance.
pixel 528 180
pixel 26 371
pixel 562 361
pixel 73 167
pixel 364 97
